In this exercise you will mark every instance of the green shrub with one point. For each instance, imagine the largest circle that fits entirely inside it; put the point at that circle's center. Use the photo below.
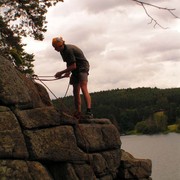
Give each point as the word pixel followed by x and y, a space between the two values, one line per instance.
pixel 154 124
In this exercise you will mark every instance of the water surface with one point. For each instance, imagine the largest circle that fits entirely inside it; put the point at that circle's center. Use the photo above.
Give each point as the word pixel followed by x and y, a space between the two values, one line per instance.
pixel 163 150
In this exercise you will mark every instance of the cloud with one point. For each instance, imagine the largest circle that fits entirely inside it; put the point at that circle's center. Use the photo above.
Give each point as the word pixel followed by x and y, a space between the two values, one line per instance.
pixel 122 48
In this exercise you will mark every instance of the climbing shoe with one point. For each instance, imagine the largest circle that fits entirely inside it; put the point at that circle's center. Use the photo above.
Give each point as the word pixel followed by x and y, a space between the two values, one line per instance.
pixel 89 115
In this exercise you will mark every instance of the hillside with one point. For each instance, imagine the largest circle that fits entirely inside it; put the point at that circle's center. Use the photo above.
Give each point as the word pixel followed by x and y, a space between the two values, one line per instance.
pixel 130 106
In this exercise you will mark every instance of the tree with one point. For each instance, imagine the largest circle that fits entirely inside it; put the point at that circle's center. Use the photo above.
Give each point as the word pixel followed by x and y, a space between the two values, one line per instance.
pixel 156 123
pixel 12 48
pixel 26 17
pixel 22 18
pixel 141 127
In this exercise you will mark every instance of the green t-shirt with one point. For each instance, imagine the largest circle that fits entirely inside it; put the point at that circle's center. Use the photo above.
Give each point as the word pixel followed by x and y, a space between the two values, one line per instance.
pixel 72 54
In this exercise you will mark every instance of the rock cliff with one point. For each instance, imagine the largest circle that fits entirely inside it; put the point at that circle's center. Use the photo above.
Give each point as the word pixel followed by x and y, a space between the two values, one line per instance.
pixel 37 142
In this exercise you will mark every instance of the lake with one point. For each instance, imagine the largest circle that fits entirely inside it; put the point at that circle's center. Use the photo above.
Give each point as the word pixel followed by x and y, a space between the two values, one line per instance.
pixel 163 150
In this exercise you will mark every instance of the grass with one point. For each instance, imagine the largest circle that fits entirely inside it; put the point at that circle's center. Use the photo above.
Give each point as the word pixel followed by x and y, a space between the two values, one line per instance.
pixel 172 128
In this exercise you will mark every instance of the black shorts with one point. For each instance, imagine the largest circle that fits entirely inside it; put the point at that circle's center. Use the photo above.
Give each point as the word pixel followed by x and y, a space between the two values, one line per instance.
pixel 77 78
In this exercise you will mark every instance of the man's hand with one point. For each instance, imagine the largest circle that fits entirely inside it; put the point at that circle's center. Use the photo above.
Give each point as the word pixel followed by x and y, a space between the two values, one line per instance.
pixel 66 74
pixel 60 75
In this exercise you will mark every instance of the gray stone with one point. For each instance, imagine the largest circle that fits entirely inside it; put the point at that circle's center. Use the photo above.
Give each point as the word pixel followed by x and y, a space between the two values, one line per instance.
pixel 97 137
pixel 95 121
pixel 111 157
pixel 4 109
pixel 132 168
pixel 54 144
pixel 38 117
pixel 12 143
pixel 12 89
pixel 18 90
pixel 19 169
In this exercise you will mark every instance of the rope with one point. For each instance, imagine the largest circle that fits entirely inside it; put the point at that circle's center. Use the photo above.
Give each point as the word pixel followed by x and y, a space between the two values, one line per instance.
pixel 47 79
pixel 36 77
pixel 66 91
pixel 76 119
pixel 44 76
pixel 41 78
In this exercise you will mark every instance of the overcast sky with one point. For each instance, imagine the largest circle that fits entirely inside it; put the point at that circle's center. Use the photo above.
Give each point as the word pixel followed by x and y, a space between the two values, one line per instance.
pixel 123 49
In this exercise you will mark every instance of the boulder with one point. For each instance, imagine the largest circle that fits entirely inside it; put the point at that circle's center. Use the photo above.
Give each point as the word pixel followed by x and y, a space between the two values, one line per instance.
pixel 17 90
pixel 132 168
pixel 21 169
pixel 12 142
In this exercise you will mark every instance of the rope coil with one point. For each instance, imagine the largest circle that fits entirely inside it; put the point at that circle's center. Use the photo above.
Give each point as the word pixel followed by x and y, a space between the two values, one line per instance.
pixel 44 78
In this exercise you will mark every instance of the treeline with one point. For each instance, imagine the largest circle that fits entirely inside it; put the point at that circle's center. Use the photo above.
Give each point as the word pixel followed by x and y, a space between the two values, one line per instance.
pixel 134 108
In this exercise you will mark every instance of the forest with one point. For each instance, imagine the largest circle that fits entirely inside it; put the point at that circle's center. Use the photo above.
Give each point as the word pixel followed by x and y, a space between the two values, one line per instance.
pixel 146 110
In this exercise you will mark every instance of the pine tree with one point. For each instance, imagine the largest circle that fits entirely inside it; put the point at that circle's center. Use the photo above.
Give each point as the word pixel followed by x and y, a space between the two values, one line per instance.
pixel 20 18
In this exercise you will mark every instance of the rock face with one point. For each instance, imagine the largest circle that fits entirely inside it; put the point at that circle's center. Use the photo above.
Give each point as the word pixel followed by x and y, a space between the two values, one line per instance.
pixel 132 168
pixel 39 143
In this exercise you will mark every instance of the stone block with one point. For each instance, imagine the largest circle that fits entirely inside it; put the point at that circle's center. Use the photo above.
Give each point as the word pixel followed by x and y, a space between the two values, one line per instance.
pixel 97 137
pixel 38 117
pixel 19 169
pixel 132 168
pixel 54 144
pixel 12 143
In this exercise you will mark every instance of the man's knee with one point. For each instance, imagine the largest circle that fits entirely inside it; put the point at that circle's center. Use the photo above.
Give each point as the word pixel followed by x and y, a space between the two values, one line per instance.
pixel 84 88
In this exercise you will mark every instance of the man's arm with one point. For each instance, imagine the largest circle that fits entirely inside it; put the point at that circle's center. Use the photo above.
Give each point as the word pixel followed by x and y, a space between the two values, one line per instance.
pixel 66 71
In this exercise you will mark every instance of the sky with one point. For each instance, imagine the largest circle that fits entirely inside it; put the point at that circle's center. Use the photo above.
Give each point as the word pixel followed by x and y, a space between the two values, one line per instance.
pixel 123 48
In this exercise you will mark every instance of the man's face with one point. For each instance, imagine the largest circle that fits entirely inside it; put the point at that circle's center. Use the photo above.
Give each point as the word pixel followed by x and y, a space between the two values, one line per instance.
pixel 59 48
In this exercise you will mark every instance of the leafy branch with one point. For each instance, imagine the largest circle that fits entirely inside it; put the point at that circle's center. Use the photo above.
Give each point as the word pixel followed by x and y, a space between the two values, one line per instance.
pixel 26 17
pixel 20 18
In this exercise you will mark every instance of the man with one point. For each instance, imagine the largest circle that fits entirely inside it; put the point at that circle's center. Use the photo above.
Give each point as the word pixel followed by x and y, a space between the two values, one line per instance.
pixel 78 65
